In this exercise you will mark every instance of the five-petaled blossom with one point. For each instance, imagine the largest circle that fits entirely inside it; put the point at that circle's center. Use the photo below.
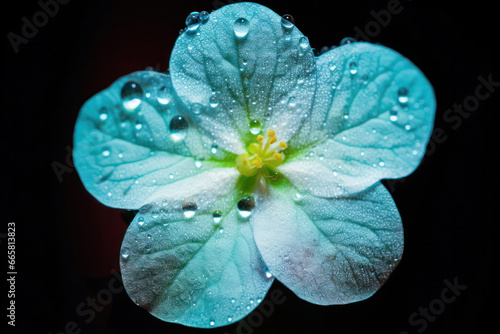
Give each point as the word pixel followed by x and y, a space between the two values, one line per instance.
pixel 255 160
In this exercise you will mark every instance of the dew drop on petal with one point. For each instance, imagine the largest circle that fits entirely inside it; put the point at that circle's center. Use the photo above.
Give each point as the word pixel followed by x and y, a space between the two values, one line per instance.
pixel 245 206
pixel 268 274
pixel 193 22
pixel 189 209
pixel 103 114
pixel 163 96
pixel 197 108
pixel 131 95
pixel 304 43
pixel 106 153
pixel 241 27
pixel 287 22
pixel 353 68
pixel 214 149
pixel 403 96
pixel 204 16
pixel 217 217
pixel 393 115
pixel 178 126
pixel 255 127
pixel 124 254
pixel 214 101
pixel 347 40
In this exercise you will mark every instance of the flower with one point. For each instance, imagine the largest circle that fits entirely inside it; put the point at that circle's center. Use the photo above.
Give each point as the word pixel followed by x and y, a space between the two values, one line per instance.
pixel 255 160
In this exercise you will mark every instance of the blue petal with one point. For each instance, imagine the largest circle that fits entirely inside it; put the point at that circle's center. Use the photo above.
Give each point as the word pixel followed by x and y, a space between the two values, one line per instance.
pixel 372 119
pixel 267 75
pixel 128 148
pixel 330 250
pixel 184 266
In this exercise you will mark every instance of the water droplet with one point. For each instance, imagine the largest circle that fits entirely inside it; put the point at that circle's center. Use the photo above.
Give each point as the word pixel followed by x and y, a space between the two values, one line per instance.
pixel 178 126
pixel 346 114
pixel 163 96
pixel 229 319
pixel 131 95
pixel 124 254
pixel 408 127
pixel 214 101
pixel 217 217
pixel 316 53
pixel 393 115
pixel 212 323
pixel 353 67
pixel 138 126
pixel 198 163
pixel 106 153
pixel 381 164
pixel 332 67
pixel 292 102
pixel 103 116
pixel 197 108
pixel 287 22
pixel 255 127
pixel 268 274
pixel 189 209
pixel 304 43
pixel 241 27
pixel 214 148
pixel 403 95
pixel 193 22
pixel 347 40
pixel 245 206
pixel 204 16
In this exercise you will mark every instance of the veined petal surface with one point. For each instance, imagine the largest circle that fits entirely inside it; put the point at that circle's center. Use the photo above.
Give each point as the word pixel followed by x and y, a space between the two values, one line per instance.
pixel 244 65
pixel 329 250
pixel 190 258
pixel 372 119
pixel 134 138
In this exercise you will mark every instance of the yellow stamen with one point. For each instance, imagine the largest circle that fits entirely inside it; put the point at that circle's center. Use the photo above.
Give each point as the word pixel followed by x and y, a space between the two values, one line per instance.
pixel 250 165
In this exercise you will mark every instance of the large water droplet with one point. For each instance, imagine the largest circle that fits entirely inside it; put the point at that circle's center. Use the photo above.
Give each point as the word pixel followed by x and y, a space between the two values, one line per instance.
pixel 268 274
pixel 214 101
pixel 304 43
pixel 103 114
pixel 131 95
pixel 403 96
pixel 204 16
pixel 163 96
pixel 124 254
pixel 241 27
pixel 287 22
pixel 353 67
pixel 193 22
pixel 255 127
pixel 214 148
pixel 347 40
pixel 245 206
pixel 393 115
pixel 189 209
pixel 197 108
pixel 178 127
pixel 217 217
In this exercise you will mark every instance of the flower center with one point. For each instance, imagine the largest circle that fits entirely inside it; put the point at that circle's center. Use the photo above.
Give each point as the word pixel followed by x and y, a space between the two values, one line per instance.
pixel 260 155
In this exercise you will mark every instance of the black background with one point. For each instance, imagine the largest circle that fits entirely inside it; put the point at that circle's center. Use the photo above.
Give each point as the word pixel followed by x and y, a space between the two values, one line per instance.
pixel 68 244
